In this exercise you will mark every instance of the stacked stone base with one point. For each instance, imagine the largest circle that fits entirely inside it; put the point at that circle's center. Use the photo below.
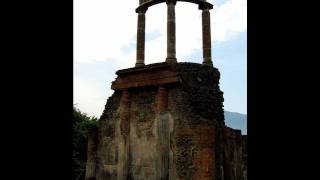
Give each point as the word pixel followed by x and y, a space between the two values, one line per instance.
pixel 165 121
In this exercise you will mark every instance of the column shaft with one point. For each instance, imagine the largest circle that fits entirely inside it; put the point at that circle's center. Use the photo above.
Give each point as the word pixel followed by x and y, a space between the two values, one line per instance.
pixel 206 37
pixel 162 99
pixel 123 166
pixel 91 154
pixel 163 135
pixel 171 32
pixel 141 39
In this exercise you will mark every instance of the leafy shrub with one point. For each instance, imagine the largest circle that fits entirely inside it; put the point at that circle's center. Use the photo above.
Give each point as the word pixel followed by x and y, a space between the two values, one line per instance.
pixel 81 125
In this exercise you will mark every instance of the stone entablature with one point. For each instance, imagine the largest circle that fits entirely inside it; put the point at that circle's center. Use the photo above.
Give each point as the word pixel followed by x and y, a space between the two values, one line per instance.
pixel 150 75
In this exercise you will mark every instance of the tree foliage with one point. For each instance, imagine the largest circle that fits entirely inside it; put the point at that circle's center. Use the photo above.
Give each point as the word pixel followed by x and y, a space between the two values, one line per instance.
pixel 81 125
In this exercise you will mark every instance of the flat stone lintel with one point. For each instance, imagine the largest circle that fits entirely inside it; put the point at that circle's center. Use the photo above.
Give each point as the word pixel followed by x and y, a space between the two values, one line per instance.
pixel 150 75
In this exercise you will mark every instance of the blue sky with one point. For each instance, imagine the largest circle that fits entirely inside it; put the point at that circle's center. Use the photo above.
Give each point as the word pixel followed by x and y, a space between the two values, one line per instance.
pixel 105 41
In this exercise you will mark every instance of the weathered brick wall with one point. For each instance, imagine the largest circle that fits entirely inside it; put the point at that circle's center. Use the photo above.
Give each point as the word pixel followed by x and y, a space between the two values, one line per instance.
pixel 196 106
pixel 91 154
pixel 107 152
pixel 202 97
pixel 142 134
pixel 234 164
pixel 174 131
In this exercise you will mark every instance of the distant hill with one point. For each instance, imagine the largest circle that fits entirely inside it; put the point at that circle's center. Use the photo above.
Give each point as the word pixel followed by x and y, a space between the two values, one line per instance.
pixel 236 121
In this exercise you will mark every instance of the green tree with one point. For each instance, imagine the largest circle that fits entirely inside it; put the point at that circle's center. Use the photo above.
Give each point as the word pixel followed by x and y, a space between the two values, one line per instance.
pixel 81 124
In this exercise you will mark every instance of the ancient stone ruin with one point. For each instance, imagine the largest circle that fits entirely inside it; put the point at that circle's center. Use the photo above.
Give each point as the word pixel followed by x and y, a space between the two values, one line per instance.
pixel 165 120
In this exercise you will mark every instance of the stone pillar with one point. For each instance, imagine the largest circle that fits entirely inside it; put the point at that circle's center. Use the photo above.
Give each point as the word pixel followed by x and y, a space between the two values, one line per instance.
pixel 91 154
pixel 171 32
pixel 163 134
pixel 123 162
pixel 162 99
pixel 125 112
pixel 206 37
pixel 141 39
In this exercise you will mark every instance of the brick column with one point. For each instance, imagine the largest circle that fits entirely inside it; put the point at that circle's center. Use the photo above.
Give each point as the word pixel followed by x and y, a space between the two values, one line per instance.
pixel 171 32
pixel 206 37
pixel 123 165
pixel 162 97
pixel 163 135
pixel 91 154
pixel 141 39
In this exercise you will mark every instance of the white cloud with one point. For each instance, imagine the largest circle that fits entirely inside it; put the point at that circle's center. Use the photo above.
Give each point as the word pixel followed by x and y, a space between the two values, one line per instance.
pixel 90 95
pixel 102 28
pixel 229 19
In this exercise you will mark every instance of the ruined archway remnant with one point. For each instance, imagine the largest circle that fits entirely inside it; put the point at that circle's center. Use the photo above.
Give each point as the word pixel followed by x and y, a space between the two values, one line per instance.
pixel 171 29
pixel 165 121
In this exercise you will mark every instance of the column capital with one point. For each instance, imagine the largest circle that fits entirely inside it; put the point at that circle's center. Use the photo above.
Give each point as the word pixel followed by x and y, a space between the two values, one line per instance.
pixel 206 9
pixel 141 10
pixel 174 2
pixel 205 6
